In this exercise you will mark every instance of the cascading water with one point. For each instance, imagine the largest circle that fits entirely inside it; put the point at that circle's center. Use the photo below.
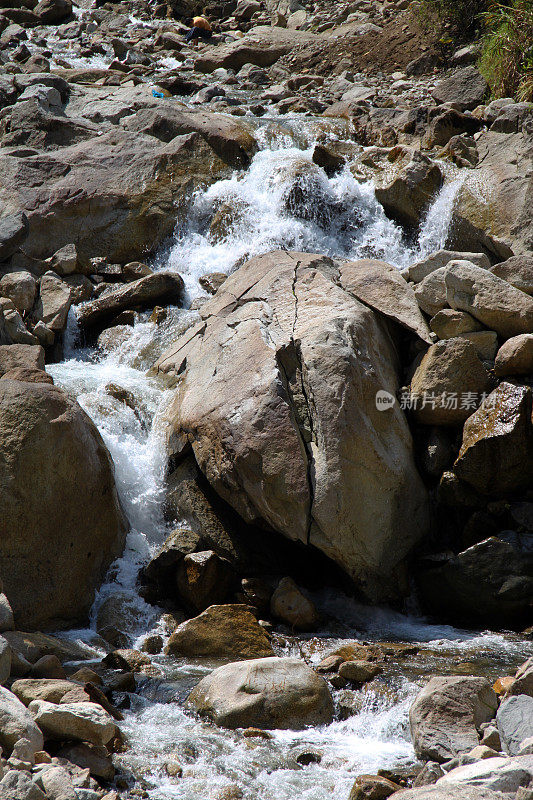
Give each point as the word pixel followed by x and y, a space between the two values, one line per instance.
pixel 282 200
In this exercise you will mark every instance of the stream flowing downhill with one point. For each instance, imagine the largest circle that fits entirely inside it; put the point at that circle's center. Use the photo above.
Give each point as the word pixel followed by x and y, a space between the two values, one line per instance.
pixel 346 222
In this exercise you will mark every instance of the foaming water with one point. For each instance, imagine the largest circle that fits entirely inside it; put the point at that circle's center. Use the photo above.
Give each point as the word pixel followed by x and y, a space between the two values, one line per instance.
pixel 285 201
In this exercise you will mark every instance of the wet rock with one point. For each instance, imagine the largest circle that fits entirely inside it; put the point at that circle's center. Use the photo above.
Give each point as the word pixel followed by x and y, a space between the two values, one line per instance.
pixel 359 671
pixel 126 660
pixel 161 571
pixel 372 787
pixel 52 508
pixel 408 195
pixel 515 723
pixel 16 723
pixel 465 88
pixel 492 301
pixel 450 369
pixel 85 722
pixel 160 287
pixel 204 579
pixel 212 281
pixel 21 356
pixel 112 338
pixel 152 645
pixel 518 271
pixel 446 714
pixel 326 158
pixel 495 456
pixel 227 631
pixel 136 270
pixel 265 693
pixel 21 288
pixel 269 482
pixel 515 356
pixel 491 580
pixel 290 604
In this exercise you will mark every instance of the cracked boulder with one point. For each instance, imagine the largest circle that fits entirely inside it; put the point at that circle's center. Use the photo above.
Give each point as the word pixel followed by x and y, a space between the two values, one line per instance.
pixel 276 396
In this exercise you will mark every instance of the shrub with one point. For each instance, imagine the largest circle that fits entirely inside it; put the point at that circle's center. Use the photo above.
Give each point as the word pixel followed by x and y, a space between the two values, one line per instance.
pixel 507 56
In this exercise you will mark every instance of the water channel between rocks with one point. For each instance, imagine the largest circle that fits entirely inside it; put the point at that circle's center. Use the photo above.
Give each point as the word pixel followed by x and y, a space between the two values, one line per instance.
pixel 342 219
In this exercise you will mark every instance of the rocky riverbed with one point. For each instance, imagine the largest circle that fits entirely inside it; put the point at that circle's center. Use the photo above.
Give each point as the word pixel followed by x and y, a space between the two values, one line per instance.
pixel 266 350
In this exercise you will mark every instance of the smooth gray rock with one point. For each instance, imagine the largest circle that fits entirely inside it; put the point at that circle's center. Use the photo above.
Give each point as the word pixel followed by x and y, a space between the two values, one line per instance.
pixel 498 774
pixel 5 660
pixel 16 723
pixel 515 722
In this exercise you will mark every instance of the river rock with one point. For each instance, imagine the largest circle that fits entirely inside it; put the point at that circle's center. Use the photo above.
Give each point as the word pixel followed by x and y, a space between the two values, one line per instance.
pixel 158 288
pixel 496 452
pixel 52 12
pixel 518 271
pixel 372 787
pixel 491 300
pixel 515 356
pixel 448 792
pixel 450 371
pixel 55 442
pixel 492 208
pixel 17 785
pixel 84 722
pixel 227 631
pixel 21 288
pixel 50 689
pixel 465 88
pixel 57 783
pixel 267 693
pixel 347 513
pixel 497 774
pixel 359 671
pixel 54 302
pixel 515 723
pixel 490 581
pixel 410 192
pixel 290 604
pixel 16 723
pixel 114 195
pixel 445 715
pixel 93 757
pixel 204 579
pixel 33 646
pixel 441 258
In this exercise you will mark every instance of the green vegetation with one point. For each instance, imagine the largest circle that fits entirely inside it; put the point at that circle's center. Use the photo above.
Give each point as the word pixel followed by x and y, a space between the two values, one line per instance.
pixel 505 30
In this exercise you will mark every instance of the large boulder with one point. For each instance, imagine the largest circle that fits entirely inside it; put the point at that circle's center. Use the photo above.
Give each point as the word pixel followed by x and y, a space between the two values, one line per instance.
pixel 496 454
pixel 265 693
pixel 518 271
pixel 25 356
pixel 21 288
pixel 277 396
pixel 491 300
pixel 226 631
pixel 505 775
pixel 465 88
pixel 262 46
pixel 114 195
pixel 441 258
pixel 69 511
pixel 49 689
pixel 16 723
pixel 13 231
pixel 445 716
pixel 515 356
pixel 412 188
pixel 489 583
pixel 492 209
pixel 448 792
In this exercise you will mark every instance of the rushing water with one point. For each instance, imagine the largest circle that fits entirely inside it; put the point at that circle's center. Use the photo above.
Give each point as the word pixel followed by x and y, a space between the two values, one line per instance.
pixel 343 219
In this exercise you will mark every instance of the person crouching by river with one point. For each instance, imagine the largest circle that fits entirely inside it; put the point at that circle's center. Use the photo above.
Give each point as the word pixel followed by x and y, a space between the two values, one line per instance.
pixel 201 29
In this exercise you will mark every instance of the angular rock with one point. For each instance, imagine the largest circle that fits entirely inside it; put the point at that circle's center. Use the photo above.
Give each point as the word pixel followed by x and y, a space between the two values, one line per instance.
pixel 465 88
pixel 160 287
pixel 449 383
pixel 372 787
pixel 204 579
pixel 430 293
pixel 289 604
pixel 13 231
pixel 54 302
pixel 441 258
pixel 50 689
pixel 307 406
pixel 21 288
pixel 25 356
pixel 410 192
pixel 492 301
pixel 92 757
pixel 263 46
pixel 57 783
pixel 449 323
pixel 515 356
pixel 490 581
pixel 518 271
pixel 515 723
pixel 16 723
pixel 227 631
pixel 448 125
pixel 84 722
pixel 496 774
pixel 56 443
pixel 359 671
pixel 271 693
pixel 496 453
pixel 445 715
pixel 7 622
pixel 17 785
pixel 523 681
